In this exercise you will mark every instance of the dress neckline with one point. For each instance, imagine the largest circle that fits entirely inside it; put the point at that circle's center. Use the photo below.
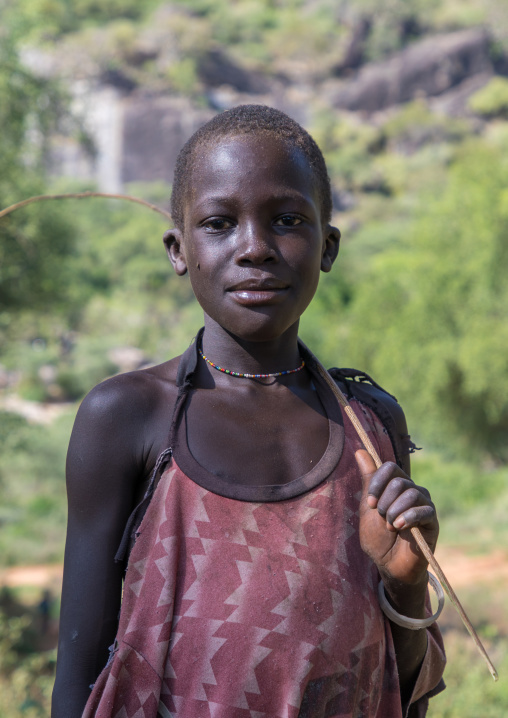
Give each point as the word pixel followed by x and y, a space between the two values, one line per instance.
pixel 245 492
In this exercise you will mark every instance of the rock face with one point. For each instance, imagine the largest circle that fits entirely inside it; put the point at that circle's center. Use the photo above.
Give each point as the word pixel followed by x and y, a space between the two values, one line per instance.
pixel 355 51
pixel 136 137
pixel 216 69
pixel 154 130
pixel 427 68
pixel 138 134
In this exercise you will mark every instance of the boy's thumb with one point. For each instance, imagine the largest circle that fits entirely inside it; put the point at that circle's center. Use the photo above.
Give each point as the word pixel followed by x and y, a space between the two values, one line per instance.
pixel 367 468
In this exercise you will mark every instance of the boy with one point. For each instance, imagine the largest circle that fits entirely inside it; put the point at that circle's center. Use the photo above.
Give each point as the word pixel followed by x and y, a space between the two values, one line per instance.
pixel 252 586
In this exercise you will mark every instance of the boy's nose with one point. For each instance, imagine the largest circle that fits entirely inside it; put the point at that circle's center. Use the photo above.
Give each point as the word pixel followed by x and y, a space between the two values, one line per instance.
pixel 255 246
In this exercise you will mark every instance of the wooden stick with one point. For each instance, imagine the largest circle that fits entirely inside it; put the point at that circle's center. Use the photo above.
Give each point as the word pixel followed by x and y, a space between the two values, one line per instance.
pixel 83 195
pixel 417 534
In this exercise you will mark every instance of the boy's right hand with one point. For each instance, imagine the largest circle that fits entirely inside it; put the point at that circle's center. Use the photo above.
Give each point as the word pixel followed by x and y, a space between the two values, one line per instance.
pixel 391 505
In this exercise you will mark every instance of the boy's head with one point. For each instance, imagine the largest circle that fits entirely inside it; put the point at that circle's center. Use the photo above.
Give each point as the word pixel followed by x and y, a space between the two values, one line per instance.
pixel 249 120
pixel 251 203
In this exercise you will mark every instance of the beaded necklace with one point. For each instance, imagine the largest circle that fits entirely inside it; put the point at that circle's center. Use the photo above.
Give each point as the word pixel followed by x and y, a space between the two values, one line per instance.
pixel 251 376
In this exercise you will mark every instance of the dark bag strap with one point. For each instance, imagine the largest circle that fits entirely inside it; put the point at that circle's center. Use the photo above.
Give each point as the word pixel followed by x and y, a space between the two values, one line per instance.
pixel 360 386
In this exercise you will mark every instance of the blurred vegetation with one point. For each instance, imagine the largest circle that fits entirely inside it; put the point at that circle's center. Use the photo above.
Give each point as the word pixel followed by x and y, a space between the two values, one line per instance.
pixel 492 100
pixel 418 298
pixel 31 242
pixel 26 668
pixel 470 691
pixel 442 293
pixel 32 484
pixel 47 20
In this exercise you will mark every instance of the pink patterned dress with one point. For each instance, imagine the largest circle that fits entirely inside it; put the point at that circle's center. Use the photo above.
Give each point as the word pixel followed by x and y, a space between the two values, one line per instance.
pixel 236 608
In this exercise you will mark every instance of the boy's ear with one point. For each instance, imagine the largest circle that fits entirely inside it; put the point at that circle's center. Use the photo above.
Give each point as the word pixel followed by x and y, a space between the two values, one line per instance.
pixel 330 248
pixel 173 242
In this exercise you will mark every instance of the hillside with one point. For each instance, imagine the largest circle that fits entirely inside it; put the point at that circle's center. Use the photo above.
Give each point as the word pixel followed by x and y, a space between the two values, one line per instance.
pixel 143 86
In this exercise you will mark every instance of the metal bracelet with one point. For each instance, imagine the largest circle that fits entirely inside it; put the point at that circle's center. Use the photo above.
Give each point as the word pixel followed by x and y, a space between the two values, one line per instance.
pixel 414 624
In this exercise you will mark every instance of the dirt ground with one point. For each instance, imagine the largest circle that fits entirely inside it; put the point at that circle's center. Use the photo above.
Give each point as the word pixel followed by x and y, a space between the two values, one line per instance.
pixel 463 570
pixel 460 569
pixel 483 573
pixel 34 576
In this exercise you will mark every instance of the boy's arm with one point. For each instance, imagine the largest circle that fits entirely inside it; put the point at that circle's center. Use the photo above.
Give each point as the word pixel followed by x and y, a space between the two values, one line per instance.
pixel 391 505
pixel 112 448
pixel 419 654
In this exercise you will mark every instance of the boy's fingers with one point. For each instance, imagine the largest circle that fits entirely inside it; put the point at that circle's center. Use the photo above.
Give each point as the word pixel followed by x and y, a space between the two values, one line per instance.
pixel 367 469
pixel 375 481
pixel 407 501
pixel 415 516
pixel 397 495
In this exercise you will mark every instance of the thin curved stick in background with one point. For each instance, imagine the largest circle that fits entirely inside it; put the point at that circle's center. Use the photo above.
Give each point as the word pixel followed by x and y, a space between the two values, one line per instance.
pixel 83 195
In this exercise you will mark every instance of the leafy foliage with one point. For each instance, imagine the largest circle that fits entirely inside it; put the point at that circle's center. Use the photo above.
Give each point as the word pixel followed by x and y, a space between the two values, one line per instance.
pixel 492 99
pixel 470 691
pixel 33 243
pixel 121 293
pixel 48 19
pixel 26 676
pixel 32 516
pixel 428 318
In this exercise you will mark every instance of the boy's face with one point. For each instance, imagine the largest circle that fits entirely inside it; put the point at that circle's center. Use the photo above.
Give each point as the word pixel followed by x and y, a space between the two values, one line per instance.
pixel 253 242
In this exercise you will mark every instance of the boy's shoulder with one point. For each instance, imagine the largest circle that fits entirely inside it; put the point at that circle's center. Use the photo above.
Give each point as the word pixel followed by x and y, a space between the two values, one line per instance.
pixel 359 385
pixel 133 393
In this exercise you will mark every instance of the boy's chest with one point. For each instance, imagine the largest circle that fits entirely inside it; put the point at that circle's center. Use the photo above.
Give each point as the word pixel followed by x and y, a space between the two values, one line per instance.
pixel 256 439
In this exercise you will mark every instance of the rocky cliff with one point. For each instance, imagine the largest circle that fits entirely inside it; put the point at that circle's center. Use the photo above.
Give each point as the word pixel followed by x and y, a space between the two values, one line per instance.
pixel 138 119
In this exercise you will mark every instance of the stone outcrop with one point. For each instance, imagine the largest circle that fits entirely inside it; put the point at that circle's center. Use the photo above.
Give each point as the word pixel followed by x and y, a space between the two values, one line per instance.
pixel 137 132
pixel 215 69
pixel 427 68
pixel 354 56
pixel 154 130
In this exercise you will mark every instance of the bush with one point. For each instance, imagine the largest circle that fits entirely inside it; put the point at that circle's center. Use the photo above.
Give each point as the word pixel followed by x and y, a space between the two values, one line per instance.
pixel 471 692
pixel 429 320
pixel 26 677
pixel 491 100
pixel 33 510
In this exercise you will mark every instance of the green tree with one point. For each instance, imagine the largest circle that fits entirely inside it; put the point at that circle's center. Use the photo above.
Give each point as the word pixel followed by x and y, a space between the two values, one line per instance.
pixel 34 242
pixel 430 321
pixel 492 99
pixel 45 20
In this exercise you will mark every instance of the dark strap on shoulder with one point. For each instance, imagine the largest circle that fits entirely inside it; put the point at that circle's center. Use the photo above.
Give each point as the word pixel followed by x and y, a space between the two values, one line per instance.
pixel 186 370
pixel 189 363
pixel 130 531
pixel 360 386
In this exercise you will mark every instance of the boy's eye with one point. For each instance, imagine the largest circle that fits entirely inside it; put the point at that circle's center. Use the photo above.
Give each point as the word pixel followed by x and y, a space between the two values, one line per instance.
pixel 287 220
pixel 217 224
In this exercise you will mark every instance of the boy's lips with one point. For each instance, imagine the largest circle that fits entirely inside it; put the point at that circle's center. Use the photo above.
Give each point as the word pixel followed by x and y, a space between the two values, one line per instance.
pixel 256 292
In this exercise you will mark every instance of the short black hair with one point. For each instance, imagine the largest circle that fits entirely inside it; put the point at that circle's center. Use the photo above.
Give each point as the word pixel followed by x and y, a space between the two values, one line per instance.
pixel 249 119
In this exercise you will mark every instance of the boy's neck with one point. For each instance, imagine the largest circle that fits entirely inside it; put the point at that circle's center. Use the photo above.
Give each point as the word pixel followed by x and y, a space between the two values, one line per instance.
pixel 252 357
